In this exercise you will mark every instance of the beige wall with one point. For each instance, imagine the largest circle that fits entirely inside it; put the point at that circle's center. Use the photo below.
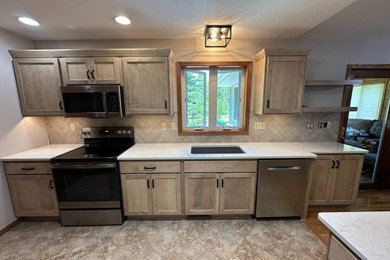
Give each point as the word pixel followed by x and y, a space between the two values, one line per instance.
pixel 16 133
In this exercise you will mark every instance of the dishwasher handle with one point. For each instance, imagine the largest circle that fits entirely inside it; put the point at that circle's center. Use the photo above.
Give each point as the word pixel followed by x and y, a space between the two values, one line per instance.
pixel 284 168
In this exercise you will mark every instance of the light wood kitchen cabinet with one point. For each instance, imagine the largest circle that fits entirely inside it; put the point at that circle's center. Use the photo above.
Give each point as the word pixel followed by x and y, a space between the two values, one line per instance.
pixel 137 195
pixel 337 251
pixel 279 80
pixel 335 179
pixel 32 189
pixel 146 83
pixel 91 70
pixel 201 193
pixel 220 187
pixel 151 194
pixel 237 193
pixel 166 194
pixel 154 193
pixel 38 81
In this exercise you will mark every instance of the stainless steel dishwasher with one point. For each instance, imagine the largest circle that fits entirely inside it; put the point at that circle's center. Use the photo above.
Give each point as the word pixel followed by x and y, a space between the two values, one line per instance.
pixel 281 188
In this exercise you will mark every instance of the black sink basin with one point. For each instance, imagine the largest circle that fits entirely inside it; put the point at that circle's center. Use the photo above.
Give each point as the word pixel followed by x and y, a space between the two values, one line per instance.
pixel 215 149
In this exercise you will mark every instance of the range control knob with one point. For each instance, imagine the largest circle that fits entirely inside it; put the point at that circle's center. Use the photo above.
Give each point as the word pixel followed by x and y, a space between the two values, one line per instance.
pixel 128 132
pixel 119 132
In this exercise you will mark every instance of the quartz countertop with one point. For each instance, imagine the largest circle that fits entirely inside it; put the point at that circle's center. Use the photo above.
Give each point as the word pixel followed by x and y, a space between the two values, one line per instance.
pixel 42 153
pixel 261 150
pixel 367 234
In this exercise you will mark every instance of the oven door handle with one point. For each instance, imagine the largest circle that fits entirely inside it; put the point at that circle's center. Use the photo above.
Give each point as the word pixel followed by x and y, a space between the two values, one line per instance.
pixel 84 166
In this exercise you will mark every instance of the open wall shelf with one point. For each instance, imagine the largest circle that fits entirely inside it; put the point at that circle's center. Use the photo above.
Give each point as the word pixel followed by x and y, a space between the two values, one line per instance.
pixel 328 109
pixel 332 83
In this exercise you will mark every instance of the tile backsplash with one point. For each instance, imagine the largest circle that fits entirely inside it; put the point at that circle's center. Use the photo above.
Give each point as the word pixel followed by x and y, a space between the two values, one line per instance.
pixel 278 128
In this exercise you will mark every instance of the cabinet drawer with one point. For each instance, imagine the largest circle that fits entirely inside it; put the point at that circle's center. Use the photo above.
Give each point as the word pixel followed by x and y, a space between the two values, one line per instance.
pixel 221 166
pixel 149 167
pixel 27 167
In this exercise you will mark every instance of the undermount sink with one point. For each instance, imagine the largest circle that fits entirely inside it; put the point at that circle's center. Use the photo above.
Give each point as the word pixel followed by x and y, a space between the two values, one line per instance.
pixel 216 149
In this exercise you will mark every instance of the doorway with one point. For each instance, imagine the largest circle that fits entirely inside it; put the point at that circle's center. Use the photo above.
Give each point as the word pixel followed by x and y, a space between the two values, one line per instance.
pixel 369 127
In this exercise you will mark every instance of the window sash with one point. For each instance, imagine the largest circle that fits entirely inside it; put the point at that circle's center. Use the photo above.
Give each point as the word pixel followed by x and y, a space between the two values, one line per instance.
pixel 213 96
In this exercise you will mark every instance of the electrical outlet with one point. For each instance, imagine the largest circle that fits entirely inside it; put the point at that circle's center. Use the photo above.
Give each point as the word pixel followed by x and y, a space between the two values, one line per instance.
pixel 309 125
pixel 322 125
pixel 329 125
pixel 260 125
pixel 173 126
pixel 164 126
pixel 72 127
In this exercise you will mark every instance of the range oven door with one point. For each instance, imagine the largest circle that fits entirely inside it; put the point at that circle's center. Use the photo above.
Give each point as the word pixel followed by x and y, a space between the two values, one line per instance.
pixel 87 186
pixel 92 100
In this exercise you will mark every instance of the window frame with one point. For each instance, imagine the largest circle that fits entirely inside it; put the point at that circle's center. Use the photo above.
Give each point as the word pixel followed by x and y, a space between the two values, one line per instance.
pixel 245 100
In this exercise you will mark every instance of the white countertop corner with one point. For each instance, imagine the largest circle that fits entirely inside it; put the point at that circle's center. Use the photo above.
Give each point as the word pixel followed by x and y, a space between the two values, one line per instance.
pixel 42 153
pixel 367 234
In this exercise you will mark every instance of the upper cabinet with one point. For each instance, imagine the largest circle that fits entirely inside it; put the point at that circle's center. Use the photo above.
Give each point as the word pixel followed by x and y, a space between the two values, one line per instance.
pixel 146 83
pixel 91 70
pixel 279 80
pixel 38 81
pixel 145 74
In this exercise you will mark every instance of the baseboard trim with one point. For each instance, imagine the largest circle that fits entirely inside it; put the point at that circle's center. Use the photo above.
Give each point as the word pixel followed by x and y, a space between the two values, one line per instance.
pixel 10 226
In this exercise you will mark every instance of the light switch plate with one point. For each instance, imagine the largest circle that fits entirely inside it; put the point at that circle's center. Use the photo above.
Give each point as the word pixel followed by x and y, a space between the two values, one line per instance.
pixel 72 127
pixel 164 126
pixel 173 126
pixel 259 125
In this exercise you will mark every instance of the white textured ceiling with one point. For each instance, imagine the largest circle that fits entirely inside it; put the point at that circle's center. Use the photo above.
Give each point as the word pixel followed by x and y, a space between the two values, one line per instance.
pixel 165 19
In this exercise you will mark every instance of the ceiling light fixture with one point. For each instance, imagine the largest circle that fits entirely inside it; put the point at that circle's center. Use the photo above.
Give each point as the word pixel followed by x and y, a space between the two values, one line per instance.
pixel 28 21
pixel 217 35
pixel 122 20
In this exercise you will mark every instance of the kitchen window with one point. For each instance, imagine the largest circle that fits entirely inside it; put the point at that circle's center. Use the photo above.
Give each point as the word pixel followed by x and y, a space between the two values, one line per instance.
pixel 213 97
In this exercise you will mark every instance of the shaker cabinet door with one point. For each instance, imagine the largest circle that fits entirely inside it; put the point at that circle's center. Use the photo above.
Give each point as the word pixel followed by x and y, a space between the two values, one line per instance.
pixel 146 85
pixel 284 87
pixel 76 70
pixel 33 195
pixel 166 194
pixel 137 194
pixel 237 193
pixel 39 82
pixel 201 193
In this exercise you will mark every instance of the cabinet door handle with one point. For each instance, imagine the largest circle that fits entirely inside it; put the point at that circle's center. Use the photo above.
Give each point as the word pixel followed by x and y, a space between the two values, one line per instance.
pixel 28 169
pixel 150 168
pixel 60 105
pixel 333 164
pixel 222 183
pixel 217 183
pixel 268 103
pixel 51 185
pixel 338 164
pixel 88 75
pixel 148 183
pixel 166 104
pixel 92 74
pixel 153 183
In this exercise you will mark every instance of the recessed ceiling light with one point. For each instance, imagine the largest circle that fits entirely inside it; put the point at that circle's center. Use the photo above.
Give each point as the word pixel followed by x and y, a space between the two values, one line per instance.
pixel 28 21
pixel 122 20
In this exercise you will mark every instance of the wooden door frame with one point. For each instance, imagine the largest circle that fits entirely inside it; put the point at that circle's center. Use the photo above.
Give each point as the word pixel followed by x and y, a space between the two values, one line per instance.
pixel 364 71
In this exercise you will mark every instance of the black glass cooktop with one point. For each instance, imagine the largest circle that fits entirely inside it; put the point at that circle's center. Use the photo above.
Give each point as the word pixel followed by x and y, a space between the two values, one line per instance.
pixel 91 154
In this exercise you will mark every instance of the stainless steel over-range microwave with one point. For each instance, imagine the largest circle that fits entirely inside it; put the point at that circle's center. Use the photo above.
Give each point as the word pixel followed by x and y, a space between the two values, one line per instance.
pixel 93 100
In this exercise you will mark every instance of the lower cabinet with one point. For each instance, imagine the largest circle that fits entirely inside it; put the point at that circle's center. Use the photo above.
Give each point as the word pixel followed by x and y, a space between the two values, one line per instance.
pixel 335 179
pixel 337 251
pixel 33 195
pixel 151 194
pixel 219 193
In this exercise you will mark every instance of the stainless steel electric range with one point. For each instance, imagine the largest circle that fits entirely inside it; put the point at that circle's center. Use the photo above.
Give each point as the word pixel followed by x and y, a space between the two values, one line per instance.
pixel 87 179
